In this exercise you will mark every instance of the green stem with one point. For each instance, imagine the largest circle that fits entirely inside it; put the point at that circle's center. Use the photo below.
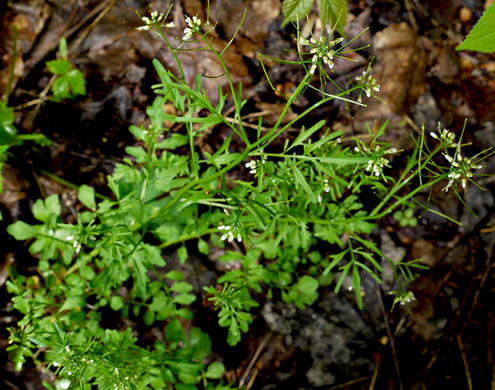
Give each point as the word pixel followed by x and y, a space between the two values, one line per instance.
pixel 237 100
pixel 305 112
pixel 162 35
pixel 228 167
pixel 403 181
pixel 187 237
pixel 69 184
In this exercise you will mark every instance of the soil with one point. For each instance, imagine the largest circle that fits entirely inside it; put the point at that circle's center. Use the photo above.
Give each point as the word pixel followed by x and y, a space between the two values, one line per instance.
pixel 442 340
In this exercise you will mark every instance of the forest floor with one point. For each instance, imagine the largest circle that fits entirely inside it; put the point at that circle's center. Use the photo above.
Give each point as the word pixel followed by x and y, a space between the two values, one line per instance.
pixel 443 340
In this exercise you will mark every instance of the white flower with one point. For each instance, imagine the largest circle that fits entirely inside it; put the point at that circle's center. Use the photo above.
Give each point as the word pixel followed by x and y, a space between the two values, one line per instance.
pixel 376 165
pixel 194 26
pixel 402 297
pixel 231 233
pixel 321 50
pixel 254 165
pixel 460 170
pixel 326 186
pixel 154 19
pixel 445 137
pixel 368 84
pixel 303 41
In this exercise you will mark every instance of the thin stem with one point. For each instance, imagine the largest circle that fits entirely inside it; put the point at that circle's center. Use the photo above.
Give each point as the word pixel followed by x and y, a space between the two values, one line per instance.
pixel 404 180
pixel 12 66
pixel 172 49
pixel 69 184
pixel 236 99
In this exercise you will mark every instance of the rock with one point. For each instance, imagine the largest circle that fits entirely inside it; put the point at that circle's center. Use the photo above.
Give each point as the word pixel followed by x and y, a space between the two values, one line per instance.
pixel 332 332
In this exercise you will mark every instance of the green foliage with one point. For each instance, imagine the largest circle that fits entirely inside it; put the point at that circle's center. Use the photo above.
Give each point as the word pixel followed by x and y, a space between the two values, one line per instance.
pixel 302 293
pixel 332 12
pixel 406 217
pixel 233 305
pixel 296 9
pixel 169 194
pixel 7 128
pixel 70 82
pixel 482 36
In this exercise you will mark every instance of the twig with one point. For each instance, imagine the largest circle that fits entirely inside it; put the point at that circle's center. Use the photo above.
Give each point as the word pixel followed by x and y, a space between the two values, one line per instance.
pixel 464 361
pixel 253 377
pixel 33 102
pixel 448 332
pixel 85 32
pixel 391 337
pixel 351 382
pixel 375 375
pixel 488 267
pixel 411 15
pixel 42 97
pixel 12 66
pixel 489 353
pixel 256 355
pixel 411 123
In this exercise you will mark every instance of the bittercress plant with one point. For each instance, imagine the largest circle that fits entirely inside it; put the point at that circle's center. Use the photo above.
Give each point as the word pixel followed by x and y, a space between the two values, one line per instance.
pixel 269 219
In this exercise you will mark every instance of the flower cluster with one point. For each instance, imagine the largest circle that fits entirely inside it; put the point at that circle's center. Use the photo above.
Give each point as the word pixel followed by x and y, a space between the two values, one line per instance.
pixel 153 20
pixel 368 84
pixel 230 232
pixel 321 50
pixel 460 170
pixel 253 166
pixel 76 244
pixel 445 137
pixel 402 297
pixel 376 161
pixel 376 165
pixel 326 188
pixel 194 26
